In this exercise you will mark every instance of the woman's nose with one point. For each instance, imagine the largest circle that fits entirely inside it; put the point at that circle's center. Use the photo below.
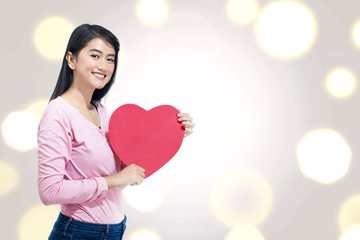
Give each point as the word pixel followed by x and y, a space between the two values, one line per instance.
pixel 101 64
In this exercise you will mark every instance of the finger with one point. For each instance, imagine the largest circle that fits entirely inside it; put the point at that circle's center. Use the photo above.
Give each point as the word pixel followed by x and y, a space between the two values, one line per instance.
pixel 138 182
pixel 182 114
pixel 188 124
pixel 142 175
pixel 185 118
pixel 188 132
pixel 141 169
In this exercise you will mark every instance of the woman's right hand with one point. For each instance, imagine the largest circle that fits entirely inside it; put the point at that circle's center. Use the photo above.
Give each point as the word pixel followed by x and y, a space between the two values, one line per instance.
pixel 130 175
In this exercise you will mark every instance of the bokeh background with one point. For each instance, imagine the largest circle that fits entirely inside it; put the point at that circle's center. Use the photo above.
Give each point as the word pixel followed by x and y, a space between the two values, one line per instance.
pixel 271 85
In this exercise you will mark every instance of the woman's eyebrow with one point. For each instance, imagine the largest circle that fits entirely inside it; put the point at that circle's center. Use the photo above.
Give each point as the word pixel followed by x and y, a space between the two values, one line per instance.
pixel 96 50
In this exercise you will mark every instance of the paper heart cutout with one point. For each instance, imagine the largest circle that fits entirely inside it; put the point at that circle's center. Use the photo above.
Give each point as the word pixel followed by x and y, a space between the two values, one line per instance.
pixel 148 139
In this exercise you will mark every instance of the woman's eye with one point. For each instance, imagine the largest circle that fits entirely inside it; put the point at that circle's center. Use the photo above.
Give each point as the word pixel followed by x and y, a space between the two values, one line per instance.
pixel 95 56
pixel 111 60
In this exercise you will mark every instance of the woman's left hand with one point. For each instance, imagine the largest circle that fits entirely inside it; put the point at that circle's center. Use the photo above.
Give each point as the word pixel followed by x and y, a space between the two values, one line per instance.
pixel 187 121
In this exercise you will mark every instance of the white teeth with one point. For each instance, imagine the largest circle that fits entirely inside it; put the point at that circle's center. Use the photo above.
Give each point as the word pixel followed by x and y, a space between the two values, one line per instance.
pixel 99 75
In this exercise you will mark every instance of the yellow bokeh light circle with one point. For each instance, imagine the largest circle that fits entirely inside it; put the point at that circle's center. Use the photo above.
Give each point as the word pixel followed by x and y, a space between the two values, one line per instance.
pixel 241 197
pixel 340 82
pixel 19 131
pixel 144 235
pixel 9 178
pixel 37 108
pixel 286 29
pixel 51 37
pixel 38 222
pixel 349 214
pixel 146 197
pixel 242 11
pixel 352 234
pixel 152 12
pixel 356 34
pixel 323 155
pixel 244 232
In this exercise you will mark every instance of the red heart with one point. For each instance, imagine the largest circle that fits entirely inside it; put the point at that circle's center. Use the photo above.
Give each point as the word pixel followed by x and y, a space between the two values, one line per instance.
pixel 148 139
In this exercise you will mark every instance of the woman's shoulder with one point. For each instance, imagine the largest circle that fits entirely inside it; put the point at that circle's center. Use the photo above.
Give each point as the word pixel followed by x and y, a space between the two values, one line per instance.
pixel 56 105
pixel 56 108
pixel 55 120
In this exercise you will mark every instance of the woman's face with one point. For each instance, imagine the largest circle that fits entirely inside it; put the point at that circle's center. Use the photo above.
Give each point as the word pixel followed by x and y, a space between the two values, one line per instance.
pixel 94 65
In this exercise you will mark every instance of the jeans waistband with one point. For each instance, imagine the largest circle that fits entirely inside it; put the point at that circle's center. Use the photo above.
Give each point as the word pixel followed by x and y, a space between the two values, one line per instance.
pixel 105 228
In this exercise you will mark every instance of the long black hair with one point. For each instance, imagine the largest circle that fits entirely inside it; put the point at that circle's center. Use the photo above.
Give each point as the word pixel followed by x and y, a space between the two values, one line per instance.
pixel 78 40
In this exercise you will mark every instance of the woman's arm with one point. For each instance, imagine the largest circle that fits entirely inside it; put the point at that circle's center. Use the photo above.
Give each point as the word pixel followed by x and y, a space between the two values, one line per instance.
pixel 54 150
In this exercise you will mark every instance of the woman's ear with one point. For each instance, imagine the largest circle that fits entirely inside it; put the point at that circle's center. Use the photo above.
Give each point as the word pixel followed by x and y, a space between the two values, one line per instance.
pixel 71 60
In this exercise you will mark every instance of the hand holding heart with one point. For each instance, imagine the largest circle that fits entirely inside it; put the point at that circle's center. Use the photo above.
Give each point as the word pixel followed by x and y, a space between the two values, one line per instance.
pixel 187 121
pixel 145 140
pixel 131 175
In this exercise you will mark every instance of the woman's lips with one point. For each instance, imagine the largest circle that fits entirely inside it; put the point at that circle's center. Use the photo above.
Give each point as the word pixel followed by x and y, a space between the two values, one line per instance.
pixel 99 75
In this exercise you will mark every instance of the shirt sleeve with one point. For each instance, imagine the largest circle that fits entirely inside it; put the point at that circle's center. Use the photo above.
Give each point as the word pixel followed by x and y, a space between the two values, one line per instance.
pixel 54 151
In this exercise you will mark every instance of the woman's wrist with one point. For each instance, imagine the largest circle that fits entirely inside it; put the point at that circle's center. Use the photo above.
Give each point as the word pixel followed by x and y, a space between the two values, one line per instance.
pixel 110 181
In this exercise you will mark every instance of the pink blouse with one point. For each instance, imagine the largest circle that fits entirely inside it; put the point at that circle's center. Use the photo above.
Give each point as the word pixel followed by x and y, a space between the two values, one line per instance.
pixel 73 157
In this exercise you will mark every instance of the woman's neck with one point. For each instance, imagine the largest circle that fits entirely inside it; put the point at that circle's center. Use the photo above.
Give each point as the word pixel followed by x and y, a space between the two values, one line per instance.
pixel 78 98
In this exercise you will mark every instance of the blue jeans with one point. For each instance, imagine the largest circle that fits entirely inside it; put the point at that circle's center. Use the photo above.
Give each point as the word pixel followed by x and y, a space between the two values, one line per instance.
pixel 68 228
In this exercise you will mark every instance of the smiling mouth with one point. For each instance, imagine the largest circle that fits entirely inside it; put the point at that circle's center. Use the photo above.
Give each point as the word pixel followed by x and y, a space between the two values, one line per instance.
pixel 99 75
